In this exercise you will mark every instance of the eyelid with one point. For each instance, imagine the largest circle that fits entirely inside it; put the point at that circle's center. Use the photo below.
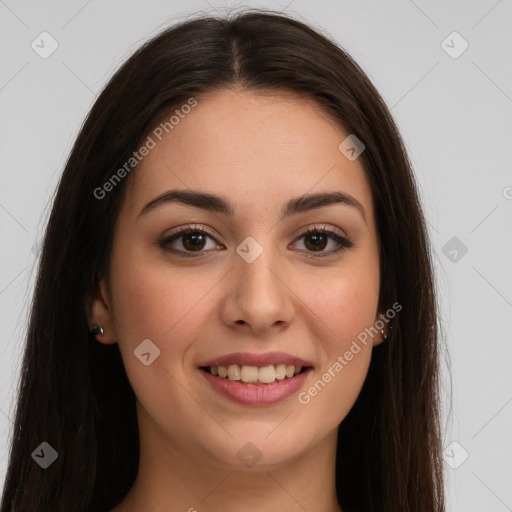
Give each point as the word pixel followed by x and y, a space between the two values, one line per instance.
pixel 322 227
pixel 191 227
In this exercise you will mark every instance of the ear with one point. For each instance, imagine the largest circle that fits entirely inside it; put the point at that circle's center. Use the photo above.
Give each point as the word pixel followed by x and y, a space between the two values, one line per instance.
pixel 379 320
pixel 100 313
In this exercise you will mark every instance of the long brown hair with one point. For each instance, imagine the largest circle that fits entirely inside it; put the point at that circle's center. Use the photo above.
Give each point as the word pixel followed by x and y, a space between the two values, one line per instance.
pixel 74 393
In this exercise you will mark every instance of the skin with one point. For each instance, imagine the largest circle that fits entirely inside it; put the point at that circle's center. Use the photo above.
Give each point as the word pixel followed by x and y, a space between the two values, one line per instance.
pixel 257 151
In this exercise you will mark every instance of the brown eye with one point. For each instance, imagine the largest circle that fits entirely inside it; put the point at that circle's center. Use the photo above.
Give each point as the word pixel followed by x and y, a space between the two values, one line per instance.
pixel 189 240
pixel 194 241
pixel 317 239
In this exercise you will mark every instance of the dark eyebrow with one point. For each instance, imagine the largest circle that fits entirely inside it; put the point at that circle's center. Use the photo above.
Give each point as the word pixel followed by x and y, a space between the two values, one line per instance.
pixel 218 204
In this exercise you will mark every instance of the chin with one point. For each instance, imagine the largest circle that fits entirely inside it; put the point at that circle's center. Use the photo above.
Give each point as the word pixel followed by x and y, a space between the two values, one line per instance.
pixel 259 448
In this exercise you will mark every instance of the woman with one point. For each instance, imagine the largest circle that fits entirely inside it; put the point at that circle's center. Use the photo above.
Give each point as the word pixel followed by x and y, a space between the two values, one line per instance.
pixel 235 306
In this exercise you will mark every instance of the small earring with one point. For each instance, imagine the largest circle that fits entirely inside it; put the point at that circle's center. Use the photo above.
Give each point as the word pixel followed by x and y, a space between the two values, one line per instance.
pixel 385 334
pixel 97 330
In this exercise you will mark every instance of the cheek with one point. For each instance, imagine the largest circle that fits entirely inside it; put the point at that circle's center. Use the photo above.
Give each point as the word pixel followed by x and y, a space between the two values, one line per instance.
pixel 163 305
pixel 168 308
pixel 343 308
pixel 343 305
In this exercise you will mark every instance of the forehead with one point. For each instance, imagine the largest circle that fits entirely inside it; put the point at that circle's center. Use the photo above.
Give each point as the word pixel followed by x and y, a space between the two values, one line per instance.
pixel 251 147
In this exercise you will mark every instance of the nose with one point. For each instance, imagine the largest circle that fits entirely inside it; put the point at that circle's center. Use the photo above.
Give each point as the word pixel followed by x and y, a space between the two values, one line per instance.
pixel 258 300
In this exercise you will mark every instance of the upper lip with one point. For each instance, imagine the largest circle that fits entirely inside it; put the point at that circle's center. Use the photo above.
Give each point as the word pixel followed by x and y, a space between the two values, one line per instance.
pixel 254 359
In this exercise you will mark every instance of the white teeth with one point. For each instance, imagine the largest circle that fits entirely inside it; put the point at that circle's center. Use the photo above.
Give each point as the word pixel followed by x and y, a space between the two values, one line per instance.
pixel 267 374
pixel 233 372
pixel 249 373
pixel 280 371
pixel 255 374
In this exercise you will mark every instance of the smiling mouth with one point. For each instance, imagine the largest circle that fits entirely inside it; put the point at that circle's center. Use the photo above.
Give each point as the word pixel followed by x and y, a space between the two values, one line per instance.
pixel 255 375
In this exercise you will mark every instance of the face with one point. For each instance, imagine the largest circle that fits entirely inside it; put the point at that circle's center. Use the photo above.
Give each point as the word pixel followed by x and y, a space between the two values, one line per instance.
pixel 248 280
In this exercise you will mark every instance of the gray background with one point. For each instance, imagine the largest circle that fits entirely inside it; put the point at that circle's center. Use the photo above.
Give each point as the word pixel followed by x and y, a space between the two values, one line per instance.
pixel 454 115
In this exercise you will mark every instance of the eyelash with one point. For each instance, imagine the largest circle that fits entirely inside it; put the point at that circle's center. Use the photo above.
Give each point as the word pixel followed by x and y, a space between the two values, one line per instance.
pixel 343 243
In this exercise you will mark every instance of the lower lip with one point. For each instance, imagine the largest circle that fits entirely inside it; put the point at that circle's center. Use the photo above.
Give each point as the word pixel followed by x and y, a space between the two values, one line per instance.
pixel 264 394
